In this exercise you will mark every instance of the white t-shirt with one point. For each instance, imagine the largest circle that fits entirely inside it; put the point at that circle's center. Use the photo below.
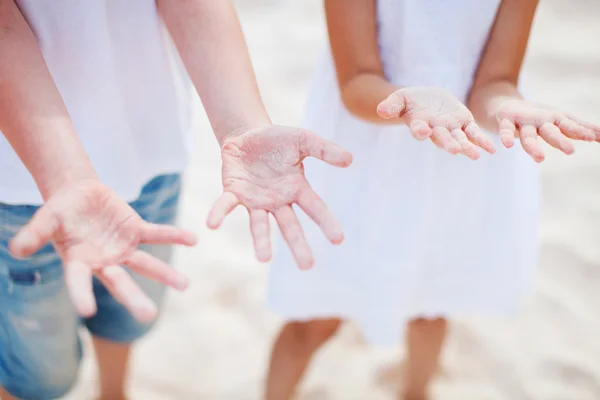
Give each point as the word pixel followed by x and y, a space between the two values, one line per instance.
pixel 124 86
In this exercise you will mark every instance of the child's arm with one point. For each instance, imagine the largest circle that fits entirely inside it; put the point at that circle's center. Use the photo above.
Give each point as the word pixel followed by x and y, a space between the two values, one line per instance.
pixel 33 116
pixel 428 112
pixel 262 163
pixel 210 41
pixel 352 27
pixel 88 224
pixel 495 100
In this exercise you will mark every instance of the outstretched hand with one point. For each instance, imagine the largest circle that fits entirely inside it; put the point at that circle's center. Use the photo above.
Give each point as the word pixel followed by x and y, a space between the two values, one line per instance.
pixel 528 121
pixel 263 171
pixel 434 113
pixel 95 233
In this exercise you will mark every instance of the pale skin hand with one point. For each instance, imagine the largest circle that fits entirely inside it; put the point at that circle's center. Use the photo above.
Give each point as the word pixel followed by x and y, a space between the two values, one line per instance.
pixel 92 229
pixel 95 233
pixel 435 113
pixel 263 171
pixel 429 112
pixel 496 102
pixel 528 121
pixel 262 163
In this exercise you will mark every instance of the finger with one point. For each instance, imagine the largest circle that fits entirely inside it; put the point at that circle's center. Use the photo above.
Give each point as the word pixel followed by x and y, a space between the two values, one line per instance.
pixel 311 145
pixel 478 138
pixel 467 148
pixel 392 107
pixel 157 270
pixel 294 236
pixel 437 143
pixel 528 136
pixel 507 131
pixel 261 234
pixel 574 130
pixel 420 129
pixel 443 136
pixel 222 207
pixel 553 136
pixel 166 234
pixel 35 234
pixel 126 291
pixel 78 280
pixel 318 211
pixel 593 127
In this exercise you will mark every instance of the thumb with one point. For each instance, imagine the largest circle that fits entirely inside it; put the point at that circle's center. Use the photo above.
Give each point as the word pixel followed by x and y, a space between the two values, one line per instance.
pixel 392 107
pixel 312 145
pixel 35 234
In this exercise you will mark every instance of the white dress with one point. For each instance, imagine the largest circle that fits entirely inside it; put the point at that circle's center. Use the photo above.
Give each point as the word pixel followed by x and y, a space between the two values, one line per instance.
pixel 427 233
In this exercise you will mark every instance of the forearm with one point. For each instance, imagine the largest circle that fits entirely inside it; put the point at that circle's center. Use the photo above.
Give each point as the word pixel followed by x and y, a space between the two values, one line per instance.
pixel 363 93
pixel 33 116
pixel 485 100
pixel 209 39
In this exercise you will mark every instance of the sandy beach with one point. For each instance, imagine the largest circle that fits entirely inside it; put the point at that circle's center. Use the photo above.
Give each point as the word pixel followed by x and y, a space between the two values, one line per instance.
pixel 213 341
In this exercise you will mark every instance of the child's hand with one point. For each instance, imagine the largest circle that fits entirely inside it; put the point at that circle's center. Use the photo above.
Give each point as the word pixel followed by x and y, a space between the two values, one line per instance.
pixel 263 171
pixel 529 120
pixel 434 113
pixel 95 232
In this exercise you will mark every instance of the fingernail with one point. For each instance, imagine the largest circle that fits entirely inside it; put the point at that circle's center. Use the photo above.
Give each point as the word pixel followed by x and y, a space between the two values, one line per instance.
pixel 145 310
pixel 85 308
pixel 307 265
pixel 191 238
pixel 337 238
pixel 263 258
pixel 180 282
pixel 348 159
pixel 15 250
pixel 19 244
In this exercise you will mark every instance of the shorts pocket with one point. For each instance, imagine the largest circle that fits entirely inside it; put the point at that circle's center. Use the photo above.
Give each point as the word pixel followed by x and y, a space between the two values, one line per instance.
pixel 40 276
pixel 35 277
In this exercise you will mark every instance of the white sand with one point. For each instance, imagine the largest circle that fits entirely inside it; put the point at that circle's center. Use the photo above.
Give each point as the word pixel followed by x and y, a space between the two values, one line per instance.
pixel 213 341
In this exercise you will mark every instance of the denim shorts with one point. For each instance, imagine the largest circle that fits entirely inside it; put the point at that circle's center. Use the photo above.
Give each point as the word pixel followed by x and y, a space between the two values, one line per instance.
pixel 40 349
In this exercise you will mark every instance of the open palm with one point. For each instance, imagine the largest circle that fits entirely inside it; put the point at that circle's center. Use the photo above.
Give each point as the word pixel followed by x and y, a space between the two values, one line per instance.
pixel 263 171
pixel 96 233
pixel 434 113
pixel 528 121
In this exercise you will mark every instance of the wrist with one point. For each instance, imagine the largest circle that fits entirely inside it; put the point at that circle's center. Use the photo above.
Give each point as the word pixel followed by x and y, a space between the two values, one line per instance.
pixel 57 179
pixel 498 102
pixel 495 95
pixel 238 128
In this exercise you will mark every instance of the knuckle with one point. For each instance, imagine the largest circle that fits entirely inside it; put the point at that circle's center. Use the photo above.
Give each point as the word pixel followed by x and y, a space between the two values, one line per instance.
pixel 472 133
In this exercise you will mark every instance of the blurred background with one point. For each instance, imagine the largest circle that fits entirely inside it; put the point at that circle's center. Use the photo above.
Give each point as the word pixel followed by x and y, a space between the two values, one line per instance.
pixel 213 341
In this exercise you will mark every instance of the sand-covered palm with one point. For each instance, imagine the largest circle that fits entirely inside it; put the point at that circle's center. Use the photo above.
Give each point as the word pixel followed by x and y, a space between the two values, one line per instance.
pixel 434 113
pixel 96 234
pixel 263 171
pixel 527 120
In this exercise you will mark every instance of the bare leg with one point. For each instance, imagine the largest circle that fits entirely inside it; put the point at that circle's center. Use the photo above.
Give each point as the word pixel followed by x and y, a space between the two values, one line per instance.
pixel 113 360
pixel 293 349
pixel 425 340
pixel 4 395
